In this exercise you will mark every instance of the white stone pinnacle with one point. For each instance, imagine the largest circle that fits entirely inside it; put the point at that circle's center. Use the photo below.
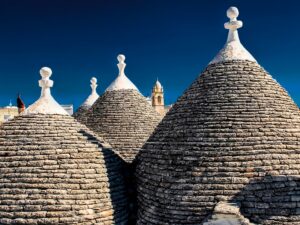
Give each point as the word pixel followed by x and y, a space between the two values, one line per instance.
pixel 94 84
pixel 46 104
pixel 233 49
pixel 122 81
pixel 93 96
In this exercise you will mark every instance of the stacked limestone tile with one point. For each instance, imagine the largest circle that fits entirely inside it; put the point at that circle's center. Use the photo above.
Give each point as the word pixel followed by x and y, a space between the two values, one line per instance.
pixel 87 104
pixel 233 137
pixel 53 170
pixel 122 116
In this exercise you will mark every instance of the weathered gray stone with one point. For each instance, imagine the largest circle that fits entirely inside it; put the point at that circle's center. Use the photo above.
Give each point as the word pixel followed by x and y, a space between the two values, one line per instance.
pixel 234 135
pixel 53 170
pixel 124 118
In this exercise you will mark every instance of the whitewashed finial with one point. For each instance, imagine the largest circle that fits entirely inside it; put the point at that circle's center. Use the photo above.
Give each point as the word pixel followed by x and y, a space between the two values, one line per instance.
pixel 94 84
pixel 233 49
pixel 45 83
pixel 122 81
pixel 46 104
pixel 233 25
pixel 121 64
pixel 93 96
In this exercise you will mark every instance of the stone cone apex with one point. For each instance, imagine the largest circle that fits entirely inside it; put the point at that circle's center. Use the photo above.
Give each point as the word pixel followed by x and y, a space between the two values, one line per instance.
pixel 233 136
pixel 46 104
pixel 121 82
pixel 89 101
pixel 233 49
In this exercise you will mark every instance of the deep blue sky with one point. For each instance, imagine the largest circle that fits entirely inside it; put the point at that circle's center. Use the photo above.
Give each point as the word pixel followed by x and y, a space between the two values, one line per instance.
pixel 173 40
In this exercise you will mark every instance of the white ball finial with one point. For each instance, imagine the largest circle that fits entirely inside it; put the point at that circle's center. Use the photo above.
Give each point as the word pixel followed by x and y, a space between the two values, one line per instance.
pixel 121 58
pixel 45 72
pixel 94 80
pixel 232 12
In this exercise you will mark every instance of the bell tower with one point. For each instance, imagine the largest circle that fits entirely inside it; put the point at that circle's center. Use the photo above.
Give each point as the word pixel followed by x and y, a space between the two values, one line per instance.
pixel 158 98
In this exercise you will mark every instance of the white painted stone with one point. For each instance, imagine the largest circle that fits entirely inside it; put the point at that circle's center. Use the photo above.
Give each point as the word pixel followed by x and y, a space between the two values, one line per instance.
pixel 233 49
pixel 46 104
pixel 93 96
pixel 122 81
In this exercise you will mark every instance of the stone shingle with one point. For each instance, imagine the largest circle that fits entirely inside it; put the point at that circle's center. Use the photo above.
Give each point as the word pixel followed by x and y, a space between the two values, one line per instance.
pixel 234 135
pixel 124 119
pixel 53 170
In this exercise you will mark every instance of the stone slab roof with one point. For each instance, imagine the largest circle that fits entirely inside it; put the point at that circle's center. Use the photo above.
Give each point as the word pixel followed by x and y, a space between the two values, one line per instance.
pixel 53 170
pixel 234 126
pixel 124 119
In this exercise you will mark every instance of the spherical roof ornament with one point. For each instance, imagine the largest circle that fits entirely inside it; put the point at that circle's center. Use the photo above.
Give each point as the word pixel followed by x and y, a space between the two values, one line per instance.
pixel 94 84
pixel 232 13
pixel 233 49
pixel 46 72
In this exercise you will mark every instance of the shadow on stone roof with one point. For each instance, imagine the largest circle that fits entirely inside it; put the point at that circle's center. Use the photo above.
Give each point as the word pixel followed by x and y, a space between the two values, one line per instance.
pixel 271 200
pixel 115 170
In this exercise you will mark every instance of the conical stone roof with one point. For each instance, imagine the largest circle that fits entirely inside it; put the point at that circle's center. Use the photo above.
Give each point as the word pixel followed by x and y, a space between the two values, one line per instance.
pixel 122 116
pixel 53 170
pixel 87 104
pixel 233 136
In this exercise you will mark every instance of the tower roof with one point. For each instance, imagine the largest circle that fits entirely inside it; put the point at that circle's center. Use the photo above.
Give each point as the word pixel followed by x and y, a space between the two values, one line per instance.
pixel 158 84
pixel 53 170
pixel 233 133
pixel 121 82
pixel 123 117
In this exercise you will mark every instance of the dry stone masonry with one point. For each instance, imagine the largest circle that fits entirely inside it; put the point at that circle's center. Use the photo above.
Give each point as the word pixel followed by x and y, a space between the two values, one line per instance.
pixel 53 170
pixel 233 136
pixel 122 116
pixel 125 119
